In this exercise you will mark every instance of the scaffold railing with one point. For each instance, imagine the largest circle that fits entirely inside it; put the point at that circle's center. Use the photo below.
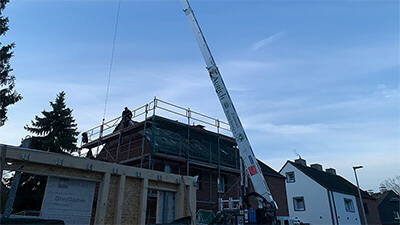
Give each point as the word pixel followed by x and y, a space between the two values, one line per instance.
pixel 158 107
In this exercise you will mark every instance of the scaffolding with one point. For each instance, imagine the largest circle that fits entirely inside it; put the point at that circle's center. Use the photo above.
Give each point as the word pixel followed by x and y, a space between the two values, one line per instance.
pixel 98 136
pixel 162 108
pixel 128 147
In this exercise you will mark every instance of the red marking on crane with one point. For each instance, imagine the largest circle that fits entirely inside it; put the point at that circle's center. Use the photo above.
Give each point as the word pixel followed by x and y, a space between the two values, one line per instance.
pixel 252 170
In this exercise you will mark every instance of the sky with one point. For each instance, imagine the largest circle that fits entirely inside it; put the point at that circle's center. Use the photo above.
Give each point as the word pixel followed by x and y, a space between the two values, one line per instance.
pixel 319 79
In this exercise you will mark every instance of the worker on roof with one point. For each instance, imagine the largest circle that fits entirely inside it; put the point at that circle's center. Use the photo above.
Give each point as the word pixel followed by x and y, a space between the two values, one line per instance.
pixel 126 117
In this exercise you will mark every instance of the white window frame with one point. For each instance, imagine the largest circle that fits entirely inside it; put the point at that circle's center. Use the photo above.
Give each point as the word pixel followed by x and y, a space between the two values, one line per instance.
pixel 288 177
pixel 349 205
pixel 295 201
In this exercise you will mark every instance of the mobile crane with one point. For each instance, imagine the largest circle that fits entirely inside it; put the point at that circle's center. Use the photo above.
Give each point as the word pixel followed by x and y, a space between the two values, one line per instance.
pixel 262 192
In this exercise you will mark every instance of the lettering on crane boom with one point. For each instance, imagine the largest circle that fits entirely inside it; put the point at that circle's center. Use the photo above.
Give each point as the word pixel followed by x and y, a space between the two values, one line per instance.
pixel 251 159
pixel 218 88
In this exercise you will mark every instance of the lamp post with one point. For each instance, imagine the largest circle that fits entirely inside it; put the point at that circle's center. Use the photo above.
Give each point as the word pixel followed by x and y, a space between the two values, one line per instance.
pixel 359 193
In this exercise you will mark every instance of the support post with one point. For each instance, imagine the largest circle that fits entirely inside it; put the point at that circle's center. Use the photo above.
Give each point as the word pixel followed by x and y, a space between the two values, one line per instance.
pixel 188 143
pixel 180 201
pixel 12 194
pixel 143 201
pixel 3 160
pixel 144 134
pixel 120 200
pixel 102 200
pixel 192 203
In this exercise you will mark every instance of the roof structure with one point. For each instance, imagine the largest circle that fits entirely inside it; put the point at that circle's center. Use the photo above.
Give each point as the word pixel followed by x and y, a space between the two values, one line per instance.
pixel 268 170
pixel 330 181
pixel 179 139
pixel 380 196
pixel 175 138
pixel 388 202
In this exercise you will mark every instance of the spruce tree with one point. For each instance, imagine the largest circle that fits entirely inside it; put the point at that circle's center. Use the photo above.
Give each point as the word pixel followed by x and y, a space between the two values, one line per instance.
pixel 8 96
pixel 56 130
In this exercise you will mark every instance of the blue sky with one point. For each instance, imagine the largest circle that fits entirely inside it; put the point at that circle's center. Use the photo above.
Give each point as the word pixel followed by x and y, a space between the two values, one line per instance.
pixel 321 77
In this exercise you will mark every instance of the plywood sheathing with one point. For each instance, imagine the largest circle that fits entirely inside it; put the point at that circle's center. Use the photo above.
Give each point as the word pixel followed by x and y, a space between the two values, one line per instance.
pixel 131 209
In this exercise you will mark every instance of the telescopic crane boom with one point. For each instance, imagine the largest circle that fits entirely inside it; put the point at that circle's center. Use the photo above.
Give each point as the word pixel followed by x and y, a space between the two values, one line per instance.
pixel 247 154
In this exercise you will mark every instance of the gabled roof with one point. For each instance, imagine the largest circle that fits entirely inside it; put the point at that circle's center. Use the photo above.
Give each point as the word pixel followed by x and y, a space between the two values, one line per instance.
pixel 381 196
pixel 330 181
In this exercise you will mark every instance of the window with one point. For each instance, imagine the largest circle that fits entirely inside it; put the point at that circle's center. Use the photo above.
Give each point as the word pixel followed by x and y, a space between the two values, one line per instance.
pixel 290 177
pixel 348 205
pixel 298 203
pixel 396 215
pixel 221 184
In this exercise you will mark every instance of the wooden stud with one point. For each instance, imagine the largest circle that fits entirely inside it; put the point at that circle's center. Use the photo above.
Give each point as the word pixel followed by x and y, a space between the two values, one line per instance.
pixel 143 201
pixel 120 199
pixel 192 202
pixel 102 200
pixel 180 202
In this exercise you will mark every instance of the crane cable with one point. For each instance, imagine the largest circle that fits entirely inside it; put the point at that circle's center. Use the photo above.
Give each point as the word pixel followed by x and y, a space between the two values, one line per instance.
pixel 109 73
pixel 112 60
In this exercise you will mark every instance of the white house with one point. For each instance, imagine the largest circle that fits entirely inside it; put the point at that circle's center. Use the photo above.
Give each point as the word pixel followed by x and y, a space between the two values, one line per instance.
pixel 321 197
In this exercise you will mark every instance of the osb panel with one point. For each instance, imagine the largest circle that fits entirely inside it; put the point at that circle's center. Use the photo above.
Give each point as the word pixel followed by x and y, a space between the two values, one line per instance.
pixel 131 205
pixel 112 198
pixel 161 185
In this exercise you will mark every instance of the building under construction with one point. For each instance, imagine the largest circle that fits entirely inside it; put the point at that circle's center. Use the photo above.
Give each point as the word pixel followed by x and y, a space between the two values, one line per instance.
pixel 165 137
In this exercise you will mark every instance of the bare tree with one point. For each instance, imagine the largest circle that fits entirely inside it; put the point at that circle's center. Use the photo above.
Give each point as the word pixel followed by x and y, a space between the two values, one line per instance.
pixel 392 184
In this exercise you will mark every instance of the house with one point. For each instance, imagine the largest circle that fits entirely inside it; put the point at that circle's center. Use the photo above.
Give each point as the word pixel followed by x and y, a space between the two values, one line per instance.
pixel 163 144
pixel 389 207
pixel 323 197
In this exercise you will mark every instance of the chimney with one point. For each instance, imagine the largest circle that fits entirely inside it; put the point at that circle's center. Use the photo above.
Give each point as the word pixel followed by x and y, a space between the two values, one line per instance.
pixel 382 189
pixel 331 171
pixel 316 166
pixel 300 161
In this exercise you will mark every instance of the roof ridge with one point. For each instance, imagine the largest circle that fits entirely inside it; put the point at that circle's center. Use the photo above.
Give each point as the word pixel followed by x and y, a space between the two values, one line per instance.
pixel 330 181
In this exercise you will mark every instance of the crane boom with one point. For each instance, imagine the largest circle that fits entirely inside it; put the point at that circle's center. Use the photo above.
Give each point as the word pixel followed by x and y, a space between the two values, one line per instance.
pixel 247 154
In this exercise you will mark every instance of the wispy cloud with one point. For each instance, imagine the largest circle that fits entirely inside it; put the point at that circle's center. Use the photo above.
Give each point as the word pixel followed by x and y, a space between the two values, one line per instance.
pixel 387 92
pixel 266 41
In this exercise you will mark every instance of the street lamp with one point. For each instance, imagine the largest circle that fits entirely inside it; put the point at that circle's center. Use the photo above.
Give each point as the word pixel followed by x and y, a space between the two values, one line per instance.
pixel 359 193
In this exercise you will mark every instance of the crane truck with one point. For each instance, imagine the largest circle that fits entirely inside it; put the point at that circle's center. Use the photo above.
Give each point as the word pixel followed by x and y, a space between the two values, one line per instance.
pixel 266 204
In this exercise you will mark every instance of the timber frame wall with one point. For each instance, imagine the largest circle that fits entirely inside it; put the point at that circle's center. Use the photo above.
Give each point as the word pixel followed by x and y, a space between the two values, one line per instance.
pixel 121 188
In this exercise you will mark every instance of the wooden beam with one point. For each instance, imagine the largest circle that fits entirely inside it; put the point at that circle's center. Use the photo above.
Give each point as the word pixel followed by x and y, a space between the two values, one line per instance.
pixel 192 203
pixel 180 201
pixel 102 200
pixel 143 201
pixel 49 170
pixel 68 161
pixel 120 199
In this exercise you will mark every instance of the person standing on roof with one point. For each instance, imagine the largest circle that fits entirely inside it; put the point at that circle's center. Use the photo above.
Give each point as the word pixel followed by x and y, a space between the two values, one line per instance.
pixel 126 117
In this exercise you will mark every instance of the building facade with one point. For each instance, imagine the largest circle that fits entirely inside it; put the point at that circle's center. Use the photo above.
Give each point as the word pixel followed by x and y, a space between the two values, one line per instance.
pixel 163 144
pixel 322 197
pixel 389 207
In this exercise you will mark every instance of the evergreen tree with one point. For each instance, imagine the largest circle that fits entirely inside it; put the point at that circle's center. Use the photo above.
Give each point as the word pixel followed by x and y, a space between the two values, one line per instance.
pixel 56 129
pixel 8 96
